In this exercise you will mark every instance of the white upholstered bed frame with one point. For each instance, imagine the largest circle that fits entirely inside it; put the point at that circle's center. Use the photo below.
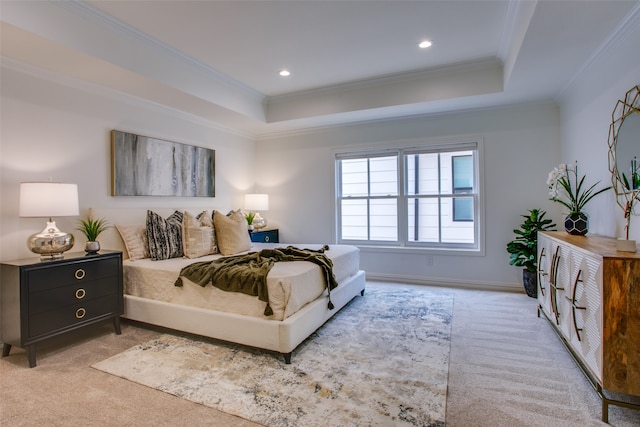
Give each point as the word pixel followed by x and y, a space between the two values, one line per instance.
pixel 282 336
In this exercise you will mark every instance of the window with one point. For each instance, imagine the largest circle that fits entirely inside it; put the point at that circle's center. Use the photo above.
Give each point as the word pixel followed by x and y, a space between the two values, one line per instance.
pixel 416 197
pixel 462 172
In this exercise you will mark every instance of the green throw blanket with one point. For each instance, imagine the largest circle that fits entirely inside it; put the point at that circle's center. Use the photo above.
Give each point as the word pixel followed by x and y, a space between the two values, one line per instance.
pixel 247 273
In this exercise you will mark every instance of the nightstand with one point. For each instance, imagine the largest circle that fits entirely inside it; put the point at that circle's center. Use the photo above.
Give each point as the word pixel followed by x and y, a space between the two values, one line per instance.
pixel 43 299
pixel 265 236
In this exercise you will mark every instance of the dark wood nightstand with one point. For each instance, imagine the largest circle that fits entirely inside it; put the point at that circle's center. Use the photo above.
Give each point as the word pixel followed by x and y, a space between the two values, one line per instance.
pixel 43 299
pixel 265 236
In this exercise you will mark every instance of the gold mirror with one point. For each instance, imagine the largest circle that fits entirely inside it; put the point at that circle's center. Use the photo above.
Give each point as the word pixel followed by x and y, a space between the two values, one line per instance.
pixel 624 152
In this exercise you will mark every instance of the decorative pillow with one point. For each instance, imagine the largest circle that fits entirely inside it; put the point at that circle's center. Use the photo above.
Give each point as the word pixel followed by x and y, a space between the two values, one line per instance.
pixel 205 219
pixel 198 238
pixel 231 232
pixel 135 240
pixel 165 235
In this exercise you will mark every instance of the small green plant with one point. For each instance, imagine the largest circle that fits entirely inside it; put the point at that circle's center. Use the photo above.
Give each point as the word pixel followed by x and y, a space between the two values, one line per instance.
pixel 524 248
pixel 249 217
pixel 92 228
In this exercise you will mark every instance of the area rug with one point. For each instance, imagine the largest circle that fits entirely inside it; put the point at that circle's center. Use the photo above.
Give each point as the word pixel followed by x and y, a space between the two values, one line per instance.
pixel 381 361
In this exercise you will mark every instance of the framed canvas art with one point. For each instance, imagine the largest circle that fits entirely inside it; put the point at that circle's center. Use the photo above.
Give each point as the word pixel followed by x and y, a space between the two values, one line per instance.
pixel 144 166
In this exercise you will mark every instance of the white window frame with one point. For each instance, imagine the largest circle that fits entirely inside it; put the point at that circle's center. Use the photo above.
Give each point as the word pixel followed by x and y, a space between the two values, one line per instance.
pixel 403 244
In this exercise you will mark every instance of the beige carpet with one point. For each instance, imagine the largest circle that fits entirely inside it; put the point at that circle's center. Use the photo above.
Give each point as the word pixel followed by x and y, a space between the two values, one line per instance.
pixel 508 368
pixel 490 384
pixel 381 361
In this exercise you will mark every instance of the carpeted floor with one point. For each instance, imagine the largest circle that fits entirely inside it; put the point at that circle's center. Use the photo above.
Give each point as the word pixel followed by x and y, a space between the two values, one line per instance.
pixel 506 369
pixel 383 360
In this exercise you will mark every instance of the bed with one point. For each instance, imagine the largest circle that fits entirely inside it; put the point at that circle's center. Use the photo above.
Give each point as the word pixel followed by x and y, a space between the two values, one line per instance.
pixel 297 295
pixel 239 318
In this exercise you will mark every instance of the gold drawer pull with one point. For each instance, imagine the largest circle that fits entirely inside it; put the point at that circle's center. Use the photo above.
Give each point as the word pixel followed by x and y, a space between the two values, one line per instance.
pixel 80 293
pixel 266 239
pixel 79 274
pixel 80 313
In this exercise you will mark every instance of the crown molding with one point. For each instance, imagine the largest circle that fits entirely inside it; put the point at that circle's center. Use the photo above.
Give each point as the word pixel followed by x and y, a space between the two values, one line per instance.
pixel 513 9
pixel 309 130
pixel 116 95
pixel 625 28
pixel 99 17
pixel 480 63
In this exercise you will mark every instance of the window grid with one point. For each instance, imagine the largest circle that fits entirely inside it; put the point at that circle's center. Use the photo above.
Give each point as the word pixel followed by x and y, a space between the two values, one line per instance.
pixel 408 222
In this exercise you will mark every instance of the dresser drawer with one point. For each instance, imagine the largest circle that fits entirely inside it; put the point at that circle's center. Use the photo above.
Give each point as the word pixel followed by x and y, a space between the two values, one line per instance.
pixel 266 236
pixel 71 315
pixel 40 279
pixel 71 294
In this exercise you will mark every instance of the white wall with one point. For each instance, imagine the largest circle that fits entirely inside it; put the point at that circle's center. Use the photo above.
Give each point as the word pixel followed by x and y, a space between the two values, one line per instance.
pixel 521 145
pixel 586 110
pixel 52 130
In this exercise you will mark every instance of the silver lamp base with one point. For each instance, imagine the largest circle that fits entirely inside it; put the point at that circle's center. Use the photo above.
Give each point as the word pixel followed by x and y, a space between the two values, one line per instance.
pixel 50 243
pixel 259 222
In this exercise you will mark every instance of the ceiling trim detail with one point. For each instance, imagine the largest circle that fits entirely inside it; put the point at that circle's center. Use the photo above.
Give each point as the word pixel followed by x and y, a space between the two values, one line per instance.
pixel 117 95
pixel 627 26
pixel 97 16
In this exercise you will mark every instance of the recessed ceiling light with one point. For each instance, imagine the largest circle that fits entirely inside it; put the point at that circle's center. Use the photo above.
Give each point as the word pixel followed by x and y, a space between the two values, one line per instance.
pixel 424 44
pixel 285 73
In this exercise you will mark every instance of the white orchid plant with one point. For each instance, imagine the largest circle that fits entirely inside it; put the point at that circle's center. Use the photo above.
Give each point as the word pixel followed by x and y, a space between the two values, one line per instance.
pixel 566 189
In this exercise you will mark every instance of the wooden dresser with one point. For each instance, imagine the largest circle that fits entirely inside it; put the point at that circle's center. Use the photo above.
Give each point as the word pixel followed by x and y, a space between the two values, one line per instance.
pixel 590 292
pixel 43 299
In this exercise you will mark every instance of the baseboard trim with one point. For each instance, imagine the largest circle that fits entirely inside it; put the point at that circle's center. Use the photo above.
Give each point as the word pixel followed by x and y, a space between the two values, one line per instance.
pixel 460 284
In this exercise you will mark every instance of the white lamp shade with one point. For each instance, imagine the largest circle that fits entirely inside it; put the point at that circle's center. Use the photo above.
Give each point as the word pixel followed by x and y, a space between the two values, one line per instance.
pixel 256 202
pixel 48 199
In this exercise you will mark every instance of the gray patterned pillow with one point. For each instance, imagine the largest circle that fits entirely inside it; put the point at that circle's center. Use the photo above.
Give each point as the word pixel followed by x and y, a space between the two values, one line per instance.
pixel 165 235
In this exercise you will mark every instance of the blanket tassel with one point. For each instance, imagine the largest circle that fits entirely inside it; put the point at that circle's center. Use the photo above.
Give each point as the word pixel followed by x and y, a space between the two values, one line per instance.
pixel 268 311
pixel 331 306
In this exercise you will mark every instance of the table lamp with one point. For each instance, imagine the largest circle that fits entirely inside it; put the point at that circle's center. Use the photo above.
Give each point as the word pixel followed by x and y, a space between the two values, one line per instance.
pixel 49 199
pixel 257 202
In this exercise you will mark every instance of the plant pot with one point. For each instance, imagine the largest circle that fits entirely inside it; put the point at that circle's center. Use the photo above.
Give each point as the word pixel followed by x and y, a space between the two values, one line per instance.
pixel 576 223
pixel 530 282
pixel 92 247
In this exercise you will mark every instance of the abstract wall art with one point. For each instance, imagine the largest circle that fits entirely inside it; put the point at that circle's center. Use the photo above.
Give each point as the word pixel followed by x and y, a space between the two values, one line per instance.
pixel 144 166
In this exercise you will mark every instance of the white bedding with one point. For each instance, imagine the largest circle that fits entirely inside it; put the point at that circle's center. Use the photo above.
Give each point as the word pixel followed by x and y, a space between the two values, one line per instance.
pixel 291 285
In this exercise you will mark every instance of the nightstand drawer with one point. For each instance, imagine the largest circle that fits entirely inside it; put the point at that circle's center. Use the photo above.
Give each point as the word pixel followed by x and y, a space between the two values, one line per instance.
pixel 266 236
pixel 72 294
pixel 72 315
pixel 40 279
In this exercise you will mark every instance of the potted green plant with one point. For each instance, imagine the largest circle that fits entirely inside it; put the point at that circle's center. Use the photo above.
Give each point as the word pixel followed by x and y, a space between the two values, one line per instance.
pixel 92 228
pixel 250 216
pixel 567 188
pixel 524 248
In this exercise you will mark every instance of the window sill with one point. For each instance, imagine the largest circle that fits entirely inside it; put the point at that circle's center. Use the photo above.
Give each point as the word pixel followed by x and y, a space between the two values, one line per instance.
pixel 416 250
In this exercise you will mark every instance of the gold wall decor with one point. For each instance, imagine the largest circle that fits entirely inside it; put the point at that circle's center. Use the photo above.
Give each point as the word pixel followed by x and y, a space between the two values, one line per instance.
pixel 624 152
